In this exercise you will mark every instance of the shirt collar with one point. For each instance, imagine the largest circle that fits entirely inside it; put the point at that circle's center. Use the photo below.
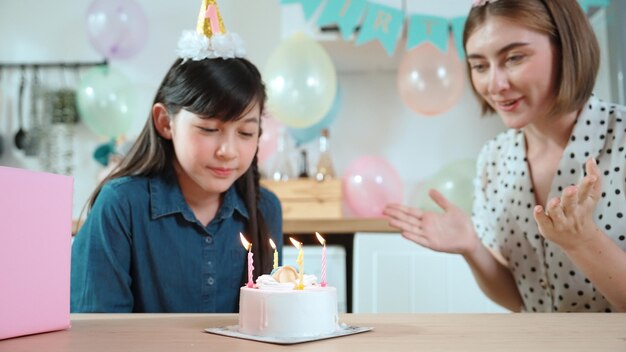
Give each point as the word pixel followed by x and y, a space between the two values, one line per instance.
pixel 166 198
pixel 232 201
pixel 592 129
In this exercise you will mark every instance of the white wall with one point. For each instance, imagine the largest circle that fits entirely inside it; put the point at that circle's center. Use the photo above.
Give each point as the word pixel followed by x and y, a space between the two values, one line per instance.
pixel 372 119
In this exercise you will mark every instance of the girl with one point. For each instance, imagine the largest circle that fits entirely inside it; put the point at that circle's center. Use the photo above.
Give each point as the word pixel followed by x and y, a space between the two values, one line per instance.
pixel 547 232
pixel 163 231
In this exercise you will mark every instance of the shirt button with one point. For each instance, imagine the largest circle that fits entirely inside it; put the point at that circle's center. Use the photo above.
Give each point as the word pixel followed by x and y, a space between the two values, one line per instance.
pixel 543 282
pixel 210 281
pixel 209 263
pixel 209 239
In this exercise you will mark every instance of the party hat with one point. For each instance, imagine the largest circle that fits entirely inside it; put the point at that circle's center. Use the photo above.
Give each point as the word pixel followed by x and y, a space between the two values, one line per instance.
pixel 209 19
pixel 210 39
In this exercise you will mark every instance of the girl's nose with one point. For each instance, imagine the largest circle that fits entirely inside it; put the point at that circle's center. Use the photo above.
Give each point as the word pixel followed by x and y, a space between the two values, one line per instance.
pixel 226 149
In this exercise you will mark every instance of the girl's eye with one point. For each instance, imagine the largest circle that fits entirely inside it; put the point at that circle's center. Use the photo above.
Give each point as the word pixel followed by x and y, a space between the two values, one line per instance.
pixel 211 130
pixel 247 134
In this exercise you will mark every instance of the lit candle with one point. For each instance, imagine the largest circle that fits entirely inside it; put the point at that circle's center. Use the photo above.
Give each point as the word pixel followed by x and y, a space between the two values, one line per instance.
pixel 248 246
pixel 275 254
pixel 300 261
pixel 323 242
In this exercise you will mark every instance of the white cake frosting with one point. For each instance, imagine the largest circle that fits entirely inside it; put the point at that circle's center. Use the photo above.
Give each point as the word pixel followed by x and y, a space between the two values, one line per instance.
pixel 277 309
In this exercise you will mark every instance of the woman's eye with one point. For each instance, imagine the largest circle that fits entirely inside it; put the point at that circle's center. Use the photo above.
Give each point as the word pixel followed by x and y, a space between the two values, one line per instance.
pixel 211 130
pixel 478 67
pixel 515 58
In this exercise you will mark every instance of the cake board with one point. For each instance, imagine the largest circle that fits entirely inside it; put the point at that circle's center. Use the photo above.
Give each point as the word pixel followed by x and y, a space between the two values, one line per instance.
pixel 233 331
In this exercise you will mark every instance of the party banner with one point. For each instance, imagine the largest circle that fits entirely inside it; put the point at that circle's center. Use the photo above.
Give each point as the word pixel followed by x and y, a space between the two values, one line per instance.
pixel 457 31
pixel 346 14
pixel 586 4
pixel 427 28
pixel 308 6
pixel 385 23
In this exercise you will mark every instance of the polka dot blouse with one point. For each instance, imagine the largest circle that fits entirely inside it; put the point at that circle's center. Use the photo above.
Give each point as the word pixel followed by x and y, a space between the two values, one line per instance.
pixel 504 201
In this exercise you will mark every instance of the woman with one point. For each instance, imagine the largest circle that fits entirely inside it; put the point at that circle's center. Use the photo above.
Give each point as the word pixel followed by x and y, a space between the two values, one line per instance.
pixel 547 232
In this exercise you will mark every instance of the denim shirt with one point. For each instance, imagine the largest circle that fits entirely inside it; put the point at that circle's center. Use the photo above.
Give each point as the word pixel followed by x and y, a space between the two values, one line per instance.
pixel 142 249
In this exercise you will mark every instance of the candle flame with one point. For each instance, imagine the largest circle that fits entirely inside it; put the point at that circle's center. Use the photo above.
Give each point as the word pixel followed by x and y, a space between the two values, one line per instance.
pixel 272 244
pixel 247 245
pixel 296 244
pixel 320 238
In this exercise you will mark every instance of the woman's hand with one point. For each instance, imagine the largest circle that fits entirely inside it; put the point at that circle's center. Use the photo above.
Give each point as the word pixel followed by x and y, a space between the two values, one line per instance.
pixel 450 232
pixel 568 221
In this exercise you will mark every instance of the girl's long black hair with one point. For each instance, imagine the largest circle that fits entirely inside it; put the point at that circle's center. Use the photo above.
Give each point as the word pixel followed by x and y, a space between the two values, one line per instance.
pixel 222 88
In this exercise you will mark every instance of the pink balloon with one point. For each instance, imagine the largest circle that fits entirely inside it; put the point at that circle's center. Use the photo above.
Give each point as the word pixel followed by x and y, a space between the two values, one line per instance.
pixel 117 29
pixel 369 184
pixel 430 82
pixel 269 139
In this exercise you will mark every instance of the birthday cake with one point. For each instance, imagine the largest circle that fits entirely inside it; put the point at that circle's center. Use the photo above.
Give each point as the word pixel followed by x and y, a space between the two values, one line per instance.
pixel 275 307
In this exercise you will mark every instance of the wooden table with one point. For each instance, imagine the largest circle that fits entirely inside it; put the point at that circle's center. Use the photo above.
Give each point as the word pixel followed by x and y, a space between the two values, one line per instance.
pixel 343 226
pixel 392 332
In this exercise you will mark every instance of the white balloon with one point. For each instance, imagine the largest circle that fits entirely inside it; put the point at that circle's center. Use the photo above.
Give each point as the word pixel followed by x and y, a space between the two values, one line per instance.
pixel 301 82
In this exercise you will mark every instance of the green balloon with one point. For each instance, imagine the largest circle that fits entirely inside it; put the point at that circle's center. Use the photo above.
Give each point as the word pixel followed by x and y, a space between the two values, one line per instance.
pixel 106 101
pixel 455 181
pixel 301 82
pixel 423 201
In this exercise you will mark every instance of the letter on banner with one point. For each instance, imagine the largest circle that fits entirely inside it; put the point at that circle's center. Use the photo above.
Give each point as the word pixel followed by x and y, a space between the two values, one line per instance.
pixel 383 23
pixel 345 13
pixel 427 28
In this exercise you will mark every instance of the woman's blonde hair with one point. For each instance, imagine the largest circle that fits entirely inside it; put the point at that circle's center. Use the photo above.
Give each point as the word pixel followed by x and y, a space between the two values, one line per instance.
pixel 564 22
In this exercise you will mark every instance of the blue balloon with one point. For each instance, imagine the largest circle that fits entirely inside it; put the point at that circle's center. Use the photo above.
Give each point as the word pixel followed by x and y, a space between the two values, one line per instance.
pixel 103 151
pixel 308 134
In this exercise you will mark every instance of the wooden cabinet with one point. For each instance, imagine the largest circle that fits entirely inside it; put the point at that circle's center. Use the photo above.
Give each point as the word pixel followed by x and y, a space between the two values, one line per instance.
pixel 304 198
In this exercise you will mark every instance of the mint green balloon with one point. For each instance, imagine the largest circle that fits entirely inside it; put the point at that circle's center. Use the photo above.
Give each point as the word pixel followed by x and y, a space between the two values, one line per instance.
pixel 106 101
pixel 455 181
pixel 301 82
pixel 422 200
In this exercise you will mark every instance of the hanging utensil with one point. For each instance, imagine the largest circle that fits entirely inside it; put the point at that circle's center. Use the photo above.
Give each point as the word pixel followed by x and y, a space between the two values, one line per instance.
pixel 71 118
pixel 20 136
pixel 31 146
pixel 1 105
pixel 8 110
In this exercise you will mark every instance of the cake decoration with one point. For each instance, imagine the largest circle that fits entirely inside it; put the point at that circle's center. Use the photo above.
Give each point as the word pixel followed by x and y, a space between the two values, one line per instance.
pixel 273 245
pixel 300 261
pixel 323 242
pixel 248 246
pixel 285 274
